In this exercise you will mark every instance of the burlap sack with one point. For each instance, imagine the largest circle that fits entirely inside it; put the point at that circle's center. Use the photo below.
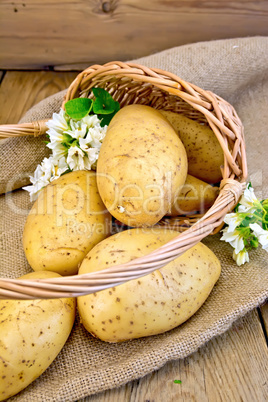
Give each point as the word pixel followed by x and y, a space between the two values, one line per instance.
pixel 235 69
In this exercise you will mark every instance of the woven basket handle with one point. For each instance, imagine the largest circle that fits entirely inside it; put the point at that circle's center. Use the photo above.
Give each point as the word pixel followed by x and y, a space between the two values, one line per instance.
pixel 35 128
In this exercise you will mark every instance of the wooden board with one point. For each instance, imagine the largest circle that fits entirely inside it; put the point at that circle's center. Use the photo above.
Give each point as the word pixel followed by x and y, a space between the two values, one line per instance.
pixel 232 367
pixel 75 34
pixel 264 317
pixel 21 90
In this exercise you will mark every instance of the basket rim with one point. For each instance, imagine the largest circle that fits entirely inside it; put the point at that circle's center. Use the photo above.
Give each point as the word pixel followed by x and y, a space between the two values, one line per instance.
pixel 226 125
pixel 216 110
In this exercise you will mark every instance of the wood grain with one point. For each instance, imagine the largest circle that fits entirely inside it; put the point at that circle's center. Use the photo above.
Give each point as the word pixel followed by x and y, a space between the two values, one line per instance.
pixel 21 90
pixel 264 314
pixel 231 367
pixel 74 34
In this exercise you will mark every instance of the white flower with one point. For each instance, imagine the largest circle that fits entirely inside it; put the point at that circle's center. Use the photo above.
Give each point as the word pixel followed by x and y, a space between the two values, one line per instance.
pixel 58 123
pixel 60 168
pixel 248 201
pixel 92 142
pixel 76 158
pixel 234 239
pixel 88 134
pixel 97 136
pixel 233 220
pixel 93 155
pixel 41 178
pixel 261 234
pixel 58 150
pixel 45 173
pixel 84 144
pixel 54 135
pixel 95 133
pixel 78 129
pixel 245 230
pixel 241 257
pixel 91 120
pixel 75 145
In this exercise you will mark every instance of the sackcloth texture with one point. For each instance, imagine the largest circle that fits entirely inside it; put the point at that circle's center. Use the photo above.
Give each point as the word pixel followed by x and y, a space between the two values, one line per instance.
pixel 235 69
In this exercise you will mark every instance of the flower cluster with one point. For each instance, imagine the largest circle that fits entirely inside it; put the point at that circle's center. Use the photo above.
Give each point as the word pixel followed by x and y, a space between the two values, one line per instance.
pixel 247 226
pixel 75 145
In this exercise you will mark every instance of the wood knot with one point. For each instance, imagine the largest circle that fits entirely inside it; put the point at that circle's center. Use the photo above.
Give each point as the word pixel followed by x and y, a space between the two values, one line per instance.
pixel 107 7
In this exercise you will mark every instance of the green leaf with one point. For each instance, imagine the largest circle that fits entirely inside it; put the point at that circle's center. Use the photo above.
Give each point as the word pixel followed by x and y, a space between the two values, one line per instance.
pixel 254 242
pixel 104 103
pixel 116 107
pixel 100 108
pixel 246 221
pixel 105 119
pixel 78 108
pixel 177 381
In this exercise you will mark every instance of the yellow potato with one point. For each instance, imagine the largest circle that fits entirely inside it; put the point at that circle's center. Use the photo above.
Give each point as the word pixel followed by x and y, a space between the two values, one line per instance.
pixel 32 333
pixel 194 196
pixel 204 153
pixel 141 164
pixel 154 303
pixel 65 222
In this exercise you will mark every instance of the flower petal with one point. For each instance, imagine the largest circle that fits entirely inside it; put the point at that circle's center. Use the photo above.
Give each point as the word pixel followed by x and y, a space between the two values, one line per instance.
pixel 261 234
pixel 241 257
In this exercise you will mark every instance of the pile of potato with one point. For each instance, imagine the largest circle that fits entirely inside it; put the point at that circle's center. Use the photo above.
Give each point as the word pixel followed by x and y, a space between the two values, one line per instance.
pixel 151 164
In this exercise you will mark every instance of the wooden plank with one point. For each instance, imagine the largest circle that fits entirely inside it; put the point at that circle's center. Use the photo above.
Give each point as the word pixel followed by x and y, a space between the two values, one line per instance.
pixel 231 367
pixel 264 314
pixel 20 90
pixel 77 34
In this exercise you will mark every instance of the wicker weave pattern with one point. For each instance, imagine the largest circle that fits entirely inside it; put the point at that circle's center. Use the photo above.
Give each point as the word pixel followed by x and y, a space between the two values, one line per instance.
pixel 132 83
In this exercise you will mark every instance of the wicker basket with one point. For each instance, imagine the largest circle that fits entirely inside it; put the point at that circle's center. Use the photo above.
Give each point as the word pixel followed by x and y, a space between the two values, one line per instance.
pixel 131 83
